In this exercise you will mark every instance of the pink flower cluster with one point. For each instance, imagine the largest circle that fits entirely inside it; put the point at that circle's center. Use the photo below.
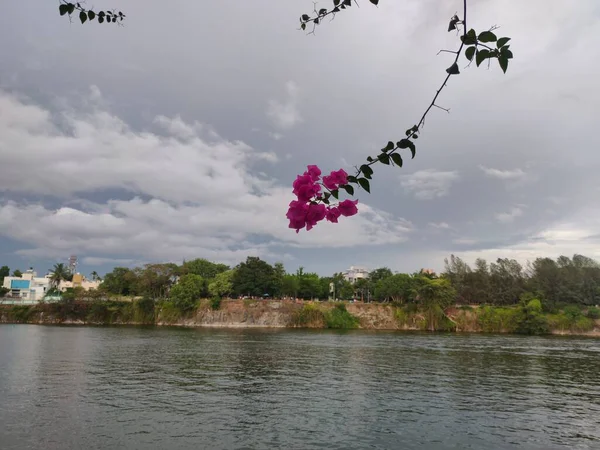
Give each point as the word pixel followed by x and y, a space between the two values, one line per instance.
pixel 307 211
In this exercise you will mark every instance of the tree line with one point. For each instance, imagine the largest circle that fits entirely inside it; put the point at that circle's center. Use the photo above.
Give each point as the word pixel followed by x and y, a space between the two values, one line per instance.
pixel 504 282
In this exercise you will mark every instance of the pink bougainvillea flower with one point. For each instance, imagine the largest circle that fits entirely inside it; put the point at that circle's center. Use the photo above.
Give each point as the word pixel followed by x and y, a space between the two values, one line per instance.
pixel 348 208
pixel 297 214
pixel 333 214
pixel 314 172
pixel 305 188
pixel 316 213
pixel 335 179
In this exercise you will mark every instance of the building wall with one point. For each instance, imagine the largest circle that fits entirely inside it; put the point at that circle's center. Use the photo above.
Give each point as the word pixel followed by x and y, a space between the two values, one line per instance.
pixel 33 288
pixel 355 273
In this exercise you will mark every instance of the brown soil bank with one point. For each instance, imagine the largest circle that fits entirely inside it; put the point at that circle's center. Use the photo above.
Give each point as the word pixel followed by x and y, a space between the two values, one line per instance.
pixel 300 314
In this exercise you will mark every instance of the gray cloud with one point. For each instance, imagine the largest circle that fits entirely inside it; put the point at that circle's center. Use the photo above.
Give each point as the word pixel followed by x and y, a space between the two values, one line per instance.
pixel 429 184
pixel 161 161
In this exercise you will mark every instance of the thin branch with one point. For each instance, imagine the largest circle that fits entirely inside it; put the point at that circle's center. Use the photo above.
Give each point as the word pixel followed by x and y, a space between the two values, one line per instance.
pixel 421 122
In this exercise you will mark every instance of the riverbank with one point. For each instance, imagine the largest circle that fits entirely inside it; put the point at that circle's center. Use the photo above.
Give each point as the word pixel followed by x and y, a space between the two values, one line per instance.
pixel 300 314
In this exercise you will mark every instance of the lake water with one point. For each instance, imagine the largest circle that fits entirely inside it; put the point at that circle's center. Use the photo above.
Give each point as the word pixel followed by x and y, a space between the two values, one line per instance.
pixel 150 388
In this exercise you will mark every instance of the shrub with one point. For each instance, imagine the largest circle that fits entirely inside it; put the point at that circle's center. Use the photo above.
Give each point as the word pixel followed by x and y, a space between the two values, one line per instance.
pixel 465 308
pixel 339 317
pixel 497 320
pixel 99 313
pixel 21 313
pixel 411 308
pixel 593 313
pixel 572 312
pixel 309 314
pixel 215 303
pixel 143 311
pixel 169 312
pixel 531 320
pixel 401 317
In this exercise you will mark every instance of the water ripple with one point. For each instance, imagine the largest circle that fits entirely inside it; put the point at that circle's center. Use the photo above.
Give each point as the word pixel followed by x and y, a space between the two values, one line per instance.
pixel 130 388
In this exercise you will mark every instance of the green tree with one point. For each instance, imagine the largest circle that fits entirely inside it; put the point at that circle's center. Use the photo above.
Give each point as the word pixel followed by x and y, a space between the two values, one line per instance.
pixel 4 272
pixel 398 288
pixel 434 296
pixel 254 277
pixel 290 286
pixel 94 276
pixel 17 273
pixel 222 284
pixel 60 272
pixel 531 320
pixel 187 292
pixel 121 281
pixel 309 284
pixel 279 273
pixel 206 269
pixel 155 280
pixel 379 274
pixel 362 289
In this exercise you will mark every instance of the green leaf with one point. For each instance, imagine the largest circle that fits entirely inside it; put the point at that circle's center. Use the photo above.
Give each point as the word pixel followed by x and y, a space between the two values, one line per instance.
pixel 351 179
pixel 481 56
pixel 349 189
pixel 370 158
pixel 303 25
pixel 82 16
pixel 100 19
pixel 406 143
pixel 366 170
pixel 384 158
pixel 70 8
pixel 335 193
pixel 503 60
pixel 502 42
pixel 452 24
pixel 390 146
pixel 316 21
pixel 470 52
pixel 403 143
pixel 364 183
pixel 322 11
pixel 63 9
pixel 91 15
pixel 347 3
pixel 336 2
pixel 375 2
pixel 397 159
pixel 305 17
pixel 453 69
pixel 470 38
pixel 505 52
pixel 487 36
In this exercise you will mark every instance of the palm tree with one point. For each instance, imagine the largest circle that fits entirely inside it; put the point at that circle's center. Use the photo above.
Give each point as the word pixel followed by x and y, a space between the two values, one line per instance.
pixel 60 272
pixel 95 276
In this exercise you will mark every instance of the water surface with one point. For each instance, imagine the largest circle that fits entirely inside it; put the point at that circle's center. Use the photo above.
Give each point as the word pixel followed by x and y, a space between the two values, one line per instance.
pixel 157 388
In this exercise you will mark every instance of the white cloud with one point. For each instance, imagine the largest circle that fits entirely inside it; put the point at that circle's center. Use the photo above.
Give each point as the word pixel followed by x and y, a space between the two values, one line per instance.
pixel 192 192
pixel 503 174
pixel 510 216
pixel 464 241
pixel 429 184
pixel 439 226
pixel 285 114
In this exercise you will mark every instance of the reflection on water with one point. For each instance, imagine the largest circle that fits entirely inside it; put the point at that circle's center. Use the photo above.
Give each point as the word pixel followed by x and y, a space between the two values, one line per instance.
pixel 148 388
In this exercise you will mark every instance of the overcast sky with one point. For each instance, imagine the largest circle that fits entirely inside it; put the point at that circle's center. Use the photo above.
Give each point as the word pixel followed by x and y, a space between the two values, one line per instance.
pixel 179 135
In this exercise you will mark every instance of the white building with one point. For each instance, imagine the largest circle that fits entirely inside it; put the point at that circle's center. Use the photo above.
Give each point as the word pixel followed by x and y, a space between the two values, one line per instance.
pixel 355 273
pixel 27 287
pixel 31 288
